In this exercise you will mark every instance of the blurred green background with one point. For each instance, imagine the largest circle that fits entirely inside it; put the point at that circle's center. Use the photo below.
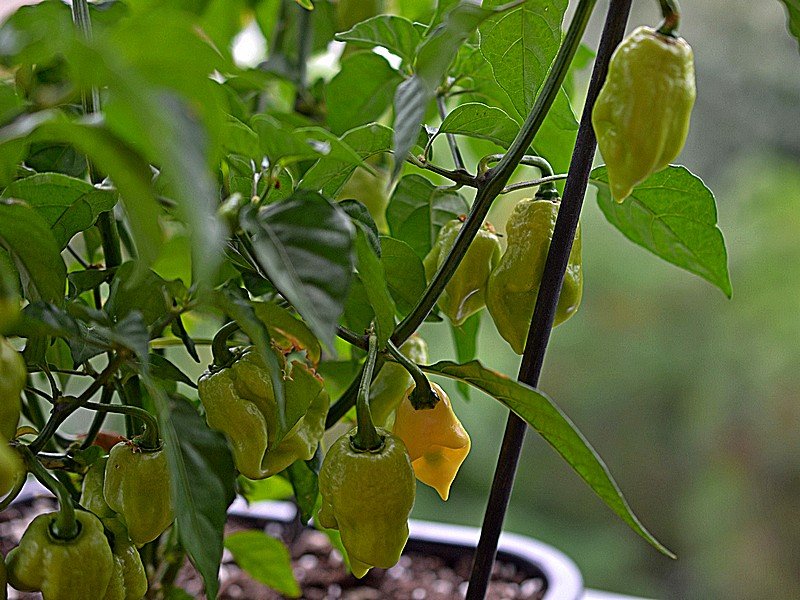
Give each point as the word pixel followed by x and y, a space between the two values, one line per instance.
pixel 693 400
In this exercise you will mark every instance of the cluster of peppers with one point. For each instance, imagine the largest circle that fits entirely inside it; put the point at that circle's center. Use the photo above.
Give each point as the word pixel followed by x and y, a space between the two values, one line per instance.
pixel 90 553
pixel 507 283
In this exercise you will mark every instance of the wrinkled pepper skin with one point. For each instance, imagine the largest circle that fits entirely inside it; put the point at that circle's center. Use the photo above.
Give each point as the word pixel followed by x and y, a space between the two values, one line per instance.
pixel 92 498
pixel 137 487
pixel 436 440
pixel 12 381
pixel 75 569
pixel 514 284
pixel 642 114
pixel 390 385
pixel 128 579
pixel 465 293
pixel 11 467
pixel 239 402
pixel 368 496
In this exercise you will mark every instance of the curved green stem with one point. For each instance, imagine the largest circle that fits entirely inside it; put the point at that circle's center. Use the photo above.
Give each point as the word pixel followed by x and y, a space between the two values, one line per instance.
pixel 366 438
pixel 150 439
pixel 459 177
pixel 97 422
pixel 493 181
pixel 423 395
pixel 672 17
pixel 66 406
pixel 65 527
pixel 219 345
pixel 12 495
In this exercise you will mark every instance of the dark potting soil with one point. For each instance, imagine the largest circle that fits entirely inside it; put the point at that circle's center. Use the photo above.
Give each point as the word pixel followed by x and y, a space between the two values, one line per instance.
pixel 320 570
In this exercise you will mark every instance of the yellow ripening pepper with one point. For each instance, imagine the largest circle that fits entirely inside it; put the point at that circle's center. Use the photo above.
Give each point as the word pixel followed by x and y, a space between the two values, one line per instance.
pixel 436 440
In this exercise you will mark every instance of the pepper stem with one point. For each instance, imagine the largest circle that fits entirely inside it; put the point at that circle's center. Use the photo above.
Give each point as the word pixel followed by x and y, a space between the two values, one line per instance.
pixel 367 438
pixel 423 395
pixel 672 17
pixel 150 439
pixel 547 189
pixel 219 345
pixel 65 526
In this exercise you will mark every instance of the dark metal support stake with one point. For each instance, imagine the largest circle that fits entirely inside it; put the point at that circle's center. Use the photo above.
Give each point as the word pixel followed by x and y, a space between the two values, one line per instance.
pixel 543 315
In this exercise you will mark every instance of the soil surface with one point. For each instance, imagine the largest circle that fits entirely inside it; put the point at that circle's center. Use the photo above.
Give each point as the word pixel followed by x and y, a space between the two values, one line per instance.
pixel 320 570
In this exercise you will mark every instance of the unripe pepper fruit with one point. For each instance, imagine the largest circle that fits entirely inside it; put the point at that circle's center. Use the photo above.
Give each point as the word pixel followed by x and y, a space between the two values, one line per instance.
pixel 367 496
pixel 642 114
pixel 74 569
pixel 436 440
pixel 137 486
pixel 11 467
pixel 464 294
pixel 514 283
pixel 239 401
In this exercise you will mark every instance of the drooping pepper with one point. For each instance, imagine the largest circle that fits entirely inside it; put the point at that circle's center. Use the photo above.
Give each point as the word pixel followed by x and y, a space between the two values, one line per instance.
pixel 137 486
pixel 465 293
pixel 128 579
pixel 11 467
pixel 390 385
pixel 12 381
pixel 368 496
pixel 436 440
pixel 74 569
pixel 239 401
pixel 514 284
pixel 642 114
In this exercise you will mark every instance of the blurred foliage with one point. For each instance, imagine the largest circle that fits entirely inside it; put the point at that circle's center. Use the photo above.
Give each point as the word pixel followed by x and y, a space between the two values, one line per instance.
pixel 690 398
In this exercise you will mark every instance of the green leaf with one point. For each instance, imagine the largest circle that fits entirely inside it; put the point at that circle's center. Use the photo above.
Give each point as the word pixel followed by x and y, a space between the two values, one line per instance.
pixel 130 172
pixel 284 144
pixel 304 475
pixel 434 56
pixel 520 45
pixel 305 247
pixel 29 238
pixel 359 215
pixel 271 488
pixel 265 559
pixel 329 174
pixel 673 215
pixel 396 34
pixel 793 17
pixel 372 275
pixel 418 209
pixel 405 274
pixel 541 413
pixel 202 478
pixel 135 288
pixel 360 92
pixel 465 340
pixel 286 329
pixel 478 120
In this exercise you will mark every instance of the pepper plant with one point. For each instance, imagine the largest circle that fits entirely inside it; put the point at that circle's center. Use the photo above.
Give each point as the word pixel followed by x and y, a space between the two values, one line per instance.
pixel 160 198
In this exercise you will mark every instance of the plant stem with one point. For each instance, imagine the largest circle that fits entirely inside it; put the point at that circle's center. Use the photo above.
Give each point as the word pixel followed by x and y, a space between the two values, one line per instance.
pixel 65 527
pixel 150 439
pixel 547 300
pixel 66 406
pixel 367 438
pixel 219 345
pixel 494 180
pixel 533 183
pixel 97 422
pixel 460 177
pixel 672 17
pixel 458 160
pixel 422 396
